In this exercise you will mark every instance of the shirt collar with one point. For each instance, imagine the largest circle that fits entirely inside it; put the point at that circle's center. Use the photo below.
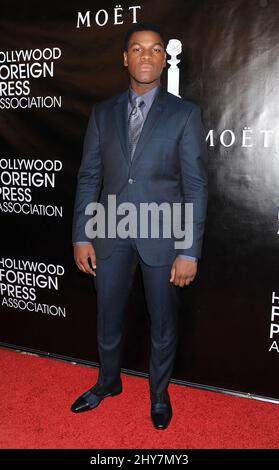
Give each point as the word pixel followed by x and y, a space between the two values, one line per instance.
pixel 147 97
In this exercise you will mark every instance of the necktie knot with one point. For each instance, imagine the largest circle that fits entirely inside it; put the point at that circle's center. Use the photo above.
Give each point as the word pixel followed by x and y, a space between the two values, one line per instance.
pixel 137 103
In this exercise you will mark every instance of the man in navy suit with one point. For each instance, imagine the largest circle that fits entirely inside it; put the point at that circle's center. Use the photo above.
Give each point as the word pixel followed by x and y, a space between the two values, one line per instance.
pixel 142 146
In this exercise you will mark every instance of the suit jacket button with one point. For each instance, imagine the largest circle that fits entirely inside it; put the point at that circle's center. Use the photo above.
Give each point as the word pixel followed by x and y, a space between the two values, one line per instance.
pixel 131 180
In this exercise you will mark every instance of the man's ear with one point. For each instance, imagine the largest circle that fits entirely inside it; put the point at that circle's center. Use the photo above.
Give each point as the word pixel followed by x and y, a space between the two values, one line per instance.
pixel 165 61
pixel 125 61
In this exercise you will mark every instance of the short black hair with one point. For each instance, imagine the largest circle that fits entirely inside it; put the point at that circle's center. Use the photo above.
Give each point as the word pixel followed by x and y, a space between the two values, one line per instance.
pixel 143 27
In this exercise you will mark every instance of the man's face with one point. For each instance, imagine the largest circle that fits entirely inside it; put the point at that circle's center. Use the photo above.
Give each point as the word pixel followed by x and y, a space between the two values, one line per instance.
pixel 145 57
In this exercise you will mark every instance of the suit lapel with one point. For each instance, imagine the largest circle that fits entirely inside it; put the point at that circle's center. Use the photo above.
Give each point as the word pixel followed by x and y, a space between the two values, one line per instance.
pixel 151 122
pixel 121 119
pixel 152 119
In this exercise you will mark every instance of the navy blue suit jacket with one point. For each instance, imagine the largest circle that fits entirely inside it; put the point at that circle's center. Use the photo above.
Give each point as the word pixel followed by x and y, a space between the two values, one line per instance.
pixel 169 165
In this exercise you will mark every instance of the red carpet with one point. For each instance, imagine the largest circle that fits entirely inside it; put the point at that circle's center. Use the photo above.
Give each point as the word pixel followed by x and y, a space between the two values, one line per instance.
pixel 36 394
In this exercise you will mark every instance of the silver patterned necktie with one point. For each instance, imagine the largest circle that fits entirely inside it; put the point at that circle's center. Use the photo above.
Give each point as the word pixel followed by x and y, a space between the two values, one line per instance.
pixel 135 124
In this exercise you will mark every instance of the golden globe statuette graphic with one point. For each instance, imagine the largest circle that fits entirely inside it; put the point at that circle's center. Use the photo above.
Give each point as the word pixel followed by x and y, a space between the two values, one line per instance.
pixel 174 48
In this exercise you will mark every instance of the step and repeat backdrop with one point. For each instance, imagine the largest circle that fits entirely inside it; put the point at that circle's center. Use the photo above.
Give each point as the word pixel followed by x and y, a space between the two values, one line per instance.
pixel 58 59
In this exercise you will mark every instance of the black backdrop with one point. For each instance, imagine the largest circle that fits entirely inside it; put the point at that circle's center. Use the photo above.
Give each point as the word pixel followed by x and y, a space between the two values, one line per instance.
pixel 229 65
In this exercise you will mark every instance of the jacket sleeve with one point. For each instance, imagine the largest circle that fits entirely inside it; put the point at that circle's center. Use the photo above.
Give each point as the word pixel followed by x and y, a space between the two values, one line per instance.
pixel 193 159
pixel 89 179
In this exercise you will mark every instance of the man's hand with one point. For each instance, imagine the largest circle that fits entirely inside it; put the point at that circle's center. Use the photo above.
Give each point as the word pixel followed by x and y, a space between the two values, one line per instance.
pixel 81 254
pixel 183 272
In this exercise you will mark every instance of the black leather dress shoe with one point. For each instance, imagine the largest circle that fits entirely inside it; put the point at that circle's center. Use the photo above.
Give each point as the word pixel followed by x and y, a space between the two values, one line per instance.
pixel 93 397
pixel 161 410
